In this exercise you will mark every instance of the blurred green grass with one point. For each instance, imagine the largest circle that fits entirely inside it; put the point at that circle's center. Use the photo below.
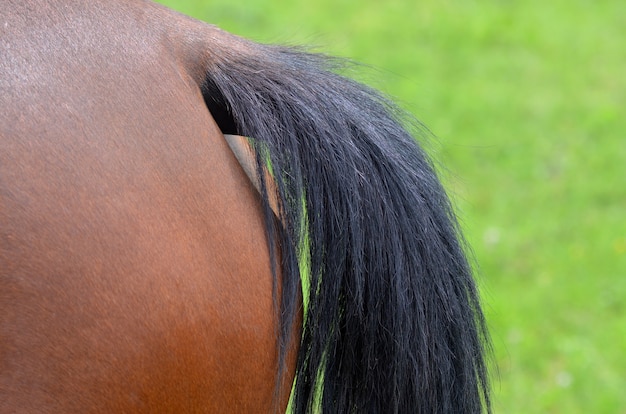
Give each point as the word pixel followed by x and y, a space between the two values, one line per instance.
pixel 527 100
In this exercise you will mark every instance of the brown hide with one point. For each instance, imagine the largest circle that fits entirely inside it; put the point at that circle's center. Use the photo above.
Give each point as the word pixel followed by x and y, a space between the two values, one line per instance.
pixel 134 268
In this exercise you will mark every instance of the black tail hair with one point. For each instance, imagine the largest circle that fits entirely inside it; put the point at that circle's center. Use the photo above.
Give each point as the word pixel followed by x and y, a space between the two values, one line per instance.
pixel 393 323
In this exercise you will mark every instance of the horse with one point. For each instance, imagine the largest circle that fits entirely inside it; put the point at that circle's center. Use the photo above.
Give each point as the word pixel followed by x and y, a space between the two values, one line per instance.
pixel 147 266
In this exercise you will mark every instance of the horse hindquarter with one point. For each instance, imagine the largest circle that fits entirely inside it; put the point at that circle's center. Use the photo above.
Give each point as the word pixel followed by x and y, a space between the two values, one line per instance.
pixel 134 268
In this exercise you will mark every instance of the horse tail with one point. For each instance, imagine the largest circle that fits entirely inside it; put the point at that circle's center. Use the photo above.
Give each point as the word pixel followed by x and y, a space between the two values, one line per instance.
pixel 392 319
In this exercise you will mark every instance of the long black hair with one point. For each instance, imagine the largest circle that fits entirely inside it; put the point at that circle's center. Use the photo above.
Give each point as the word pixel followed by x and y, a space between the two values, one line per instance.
pixel 393 322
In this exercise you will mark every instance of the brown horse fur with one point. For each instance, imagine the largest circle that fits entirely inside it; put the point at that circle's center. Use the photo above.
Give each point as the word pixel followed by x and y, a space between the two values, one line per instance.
pixel 134 272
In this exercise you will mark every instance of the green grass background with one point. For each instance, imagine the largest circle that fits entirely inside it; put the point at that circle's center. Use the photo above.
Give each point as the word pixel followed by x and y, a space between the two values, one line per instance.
pixel 527 100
